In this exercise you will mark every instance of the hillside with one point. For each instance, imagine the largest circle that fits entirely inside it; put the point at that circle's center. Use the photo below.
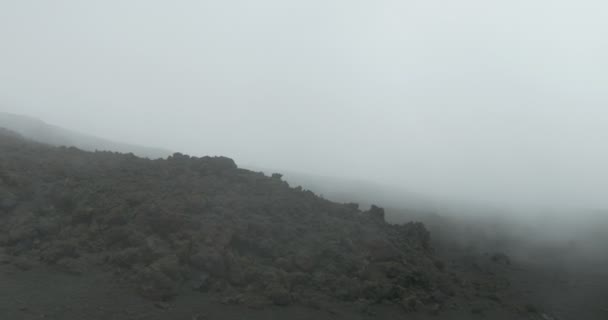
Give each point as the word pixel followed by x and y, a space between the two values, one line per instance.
pixel 206 224
pixel 186 233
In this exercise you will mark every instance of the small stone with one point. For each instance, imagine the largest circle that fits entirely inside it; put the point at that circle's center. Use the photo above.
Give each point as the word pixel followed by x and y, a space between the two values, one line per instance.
pixel 476 310
pixel 232 300
pixel 199 317
pixel 71 266
pixel 5 259
pixel 280 296
pixel 162 305
pixel 531 308
pixel 411 303
pixel 433 309
pixel 7 200
pixel 200 282
pixel 501 258
pixel 23 264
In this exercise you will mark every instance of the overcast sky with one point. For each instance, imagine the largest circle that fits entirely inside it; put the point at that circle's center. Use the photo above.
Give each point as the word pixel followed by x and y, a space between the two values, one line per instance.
pixel 504 101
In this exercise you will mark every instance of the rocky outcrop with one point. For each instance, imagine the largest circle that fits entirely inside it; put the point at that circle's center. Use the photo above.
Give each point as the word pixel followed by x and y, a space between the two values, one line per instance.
pixel 205 224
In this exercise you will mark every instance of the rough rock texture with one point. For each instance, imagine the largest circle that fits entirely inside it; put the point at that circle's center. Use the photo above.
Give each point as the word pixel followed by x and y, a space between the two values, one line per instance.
pixel 204 224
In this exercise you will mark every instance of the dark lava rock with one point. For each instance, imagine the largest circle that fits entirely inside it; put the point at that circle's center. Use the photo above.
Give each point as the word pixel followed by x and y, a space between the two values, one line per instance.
pixel 501 258
pixel 72 266
pixel 375 214
pixel 204 223
pixel 279 296
pixel 8 201
pixel 200 282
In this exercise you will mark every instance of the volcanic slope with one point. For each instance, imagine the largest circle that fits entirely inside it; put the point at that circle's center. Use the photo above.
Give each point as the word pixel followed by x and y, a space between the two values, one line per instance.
pixel 204 224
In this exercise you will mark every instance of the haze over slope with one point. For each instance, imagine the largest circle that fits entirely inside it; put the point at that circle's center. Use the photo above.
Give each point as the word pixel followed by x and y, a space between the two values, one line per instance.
pixel 492 102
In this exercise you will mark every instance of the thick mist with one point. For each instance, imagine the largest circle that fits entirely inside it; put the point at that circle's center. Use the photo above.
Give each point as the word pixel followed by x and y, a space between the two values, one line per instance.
pixel 498 104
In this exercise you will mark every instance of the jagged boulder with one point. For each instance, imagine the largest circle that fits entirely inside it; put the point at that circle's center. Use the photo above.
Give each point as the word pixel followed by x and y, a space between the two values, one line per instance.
pixel 375 214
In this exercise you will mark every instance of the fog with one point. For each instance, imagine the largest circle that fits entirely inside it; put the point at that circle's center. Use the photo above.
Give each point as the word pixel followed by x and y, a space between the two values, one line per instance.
pixel 500 103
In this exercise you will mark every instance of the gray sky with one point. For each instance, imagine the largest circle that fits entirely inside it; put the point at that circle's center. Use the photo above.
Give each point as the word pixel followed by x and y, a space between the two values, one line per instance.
pixel 501 101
